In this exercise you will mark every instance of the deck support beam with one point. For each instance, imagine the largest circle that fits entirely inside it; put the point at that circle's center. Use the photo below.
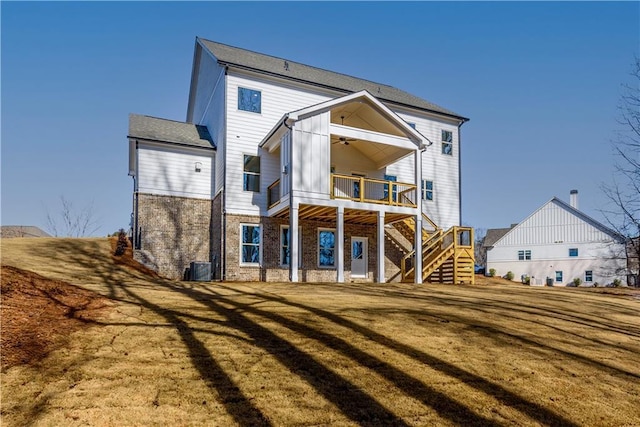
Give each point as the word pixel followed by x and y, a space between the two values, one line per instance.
pixel 339 244
pixel 418 230
pixel 293 243
pixel 380 247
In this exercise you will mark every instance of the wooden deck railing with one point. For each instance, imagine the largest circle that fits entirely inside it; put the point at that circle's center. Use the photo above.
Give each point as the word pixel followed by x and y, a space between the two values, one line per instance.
pixel 368 190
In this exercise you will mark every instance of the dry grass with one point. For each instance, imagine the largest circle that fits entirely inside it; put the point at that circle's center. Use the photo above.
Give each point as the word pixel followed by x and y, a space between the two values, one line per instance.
pixel 174 353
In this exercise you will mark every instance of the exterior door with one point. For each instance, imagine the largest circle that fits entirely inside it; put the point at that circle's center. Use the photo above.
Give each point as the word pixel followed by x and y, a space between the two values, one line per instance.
pixel 359 257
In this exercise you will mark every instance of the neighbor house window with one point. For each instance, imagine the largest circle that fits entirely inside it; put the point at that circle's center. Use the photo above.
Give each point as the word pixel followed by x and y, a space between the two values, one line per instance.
pixel 251 178
pixel 447 142
pixel 394 188
pixel 326 248
pixel 427 189
pixel 588 276
pixel 524 255
pixel 558 276
pixel 250 244
pixel 285 246
pixel 573 252
pixel 249 100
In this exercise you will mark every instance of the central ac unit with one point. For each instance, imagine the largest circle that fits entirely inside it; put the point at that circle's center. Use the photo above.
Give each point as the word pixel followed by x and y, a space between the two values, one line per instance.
pixel 200 271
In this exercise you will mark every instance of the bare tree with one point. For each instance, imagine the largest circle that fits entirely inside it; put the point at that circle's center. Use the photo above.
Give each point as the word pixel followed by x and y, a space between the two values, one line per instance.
pixel 624 193
pixel 71 222
pixel 480 252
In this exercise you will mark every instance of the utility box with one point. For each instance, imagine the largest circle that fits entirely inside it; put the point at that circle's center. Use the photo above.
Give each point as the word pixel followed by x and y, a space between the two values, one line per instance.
pixel 200 271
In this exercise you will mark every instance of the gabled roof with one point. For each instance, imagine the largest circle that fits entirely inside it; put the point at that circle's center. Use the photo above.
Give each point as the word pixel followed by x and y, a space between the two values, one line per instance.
pixel 582 216
pixel 170 131
pixel 291 70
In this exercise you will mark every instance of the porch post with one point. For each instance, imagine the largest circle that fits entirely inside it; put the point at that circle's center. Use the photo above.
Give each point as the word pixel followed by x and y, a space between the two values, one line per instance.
pixel 293 242
pixel 381 277
pixel 340 245
pixel 418 236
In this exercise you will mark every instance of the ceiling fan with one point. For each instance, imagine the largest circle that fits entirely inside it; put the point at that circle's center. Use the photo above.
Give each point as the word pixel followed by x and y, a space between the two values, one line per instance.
pixel 342 140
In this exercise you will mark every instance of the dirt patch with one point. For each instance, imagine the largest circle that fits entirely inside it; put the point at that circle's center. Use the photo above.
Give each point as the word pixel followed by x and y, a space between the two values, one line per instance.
pixel 127 260
pixel 38 313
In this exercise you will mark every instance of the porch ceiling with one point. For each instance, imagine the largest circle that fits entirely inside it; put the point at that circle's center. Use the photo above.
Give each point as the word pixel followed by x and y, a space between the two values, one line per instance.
pixel 351 216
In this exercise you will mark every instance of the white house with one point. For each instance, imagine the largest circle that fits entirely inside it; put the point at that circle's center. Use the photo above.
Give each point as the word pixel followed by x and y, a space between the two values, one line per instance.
pixel 283 171
pixel 558 243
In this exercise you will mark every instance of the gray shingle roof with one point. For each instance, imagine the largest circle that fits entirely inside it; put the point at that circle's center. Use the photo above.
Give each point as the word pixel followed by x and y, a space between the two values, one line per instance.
pixel 7 231
pixel 246 59
pixel 163 130
pixel 493 235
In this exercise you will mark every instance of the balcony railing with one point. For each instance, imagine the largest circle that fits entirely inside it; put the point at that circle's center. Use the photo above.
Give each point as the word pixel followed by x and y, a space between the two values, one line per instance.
pixel 368 190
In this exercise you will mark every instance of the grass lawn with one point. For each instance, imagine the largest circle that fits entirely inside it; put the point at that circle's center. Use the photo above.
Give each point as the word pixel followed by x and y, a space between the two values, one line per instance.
pixel 219 354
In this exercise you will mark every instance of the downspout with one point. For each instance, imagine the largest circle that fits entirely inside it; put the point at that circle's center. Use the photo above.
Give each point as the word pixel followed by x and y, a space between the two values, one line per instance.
pixel 223 235
pixel 460 173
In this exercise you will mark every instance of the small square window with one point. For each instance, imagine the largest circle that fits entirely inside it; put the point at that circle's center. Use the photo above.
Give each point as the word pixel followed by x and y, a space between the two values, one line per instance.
pixel 524 255
pixel 573 252
pixel 558 276
pixel 447 142
pixel 588 276
pixel 249 100
pixel 427 189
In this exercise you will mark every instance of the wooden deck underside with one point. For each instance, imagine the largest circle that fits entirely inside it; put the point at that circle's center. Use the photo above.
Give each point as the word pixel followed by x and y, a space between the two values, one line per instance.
pixel 351 216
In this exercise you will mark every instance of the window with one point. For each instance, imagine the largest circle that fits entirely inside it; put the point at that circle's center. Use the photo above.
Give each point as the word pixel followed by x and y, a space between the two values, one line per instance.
pixel 394 188
pixel 250 244
pixel 251 179
pixel 413 125
pixel 573 251
pixel 249 100
pixel 524 255
pixel 588 276
pixel 427 190
pixel 326 248
pixel 447 142
pixel 285 244
pixel 558 276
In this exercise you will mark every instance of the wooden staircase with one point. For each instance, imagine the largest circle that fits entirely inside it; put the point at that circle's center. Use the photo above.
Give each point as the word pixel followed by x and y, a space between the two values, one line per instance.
pixel 447 256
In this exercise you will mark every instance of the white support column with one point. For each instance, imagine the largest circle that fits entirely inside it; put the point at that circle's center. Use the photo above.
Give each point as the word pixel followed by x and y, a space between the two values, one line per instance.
pixel 340 244
pixel 381 278
pixel 418 236
pixel 293 242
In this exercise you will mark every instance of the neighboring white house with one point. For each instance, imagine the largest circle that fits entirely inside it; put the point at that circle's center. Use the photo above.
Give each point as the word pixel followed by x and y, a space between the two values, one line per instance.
pixel 284 171
pixel 559 243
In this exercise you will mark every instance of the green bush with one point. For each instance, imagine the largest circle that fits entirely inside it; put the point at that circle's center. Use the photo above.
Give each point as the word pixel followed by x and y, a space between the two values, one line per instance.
pixel 526 280
pixel 509 275
pixel 617 283
pixel 492 272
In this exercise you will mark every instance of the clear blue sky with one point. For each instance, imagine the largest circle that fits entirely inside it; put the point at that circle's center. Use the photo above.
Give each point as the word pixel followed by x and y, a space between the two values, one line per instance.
pixel 540 82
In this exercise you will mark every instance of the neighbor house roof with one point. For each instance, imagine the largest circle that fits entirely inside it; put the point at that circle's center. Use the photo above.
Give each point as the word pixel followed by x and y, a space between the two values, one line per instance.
pixel 22 231
pixel 163 130
pixel 493 235
pixel 291 70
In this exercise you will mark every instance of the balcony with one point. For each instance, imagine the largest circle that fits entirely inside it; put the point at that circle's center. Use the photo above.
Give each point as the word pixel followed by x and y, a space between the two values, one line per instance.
pixel 368 190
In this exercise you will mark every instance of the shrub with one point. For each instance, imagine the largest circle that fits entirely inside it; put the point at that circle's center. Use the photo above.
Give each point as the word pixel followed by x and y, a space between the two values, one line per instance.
pixel 509 275
pixel 577 281
pixel 617 283
pixel 526 279
pixel 492 272
pixel 123 242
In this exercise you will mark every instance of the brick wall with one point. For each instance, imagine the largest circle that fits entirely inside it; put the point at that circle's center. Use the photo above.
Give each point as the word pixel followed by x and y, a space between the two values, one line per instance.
pixel 271 270
pixel 173 232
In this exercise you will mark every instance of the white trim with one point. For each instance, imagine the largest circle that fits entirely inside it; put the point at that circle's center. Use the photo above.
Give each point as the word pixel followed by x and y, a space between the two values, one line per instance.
pixel 250 264
pixel 325 267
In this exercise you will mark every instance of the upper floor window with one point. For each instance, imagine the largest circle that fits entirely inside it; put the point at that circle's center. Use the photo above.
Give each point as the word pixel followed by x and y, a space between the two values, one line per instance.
pixel 251 176
pixel 573 251
pixel 249 100
pixel 326 248
pixel 524 255
pixel 427 189
pixel 394 188
pixel 250 244
pixel 447 142
pixel 413 125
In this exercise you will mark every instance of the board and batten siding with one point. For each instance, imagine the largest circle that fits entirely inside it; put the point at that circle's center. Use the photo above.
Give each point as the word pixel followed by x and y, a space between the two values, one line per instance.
pixel 245 130
pixel 311 149
pixel 170 171
pixel 208 108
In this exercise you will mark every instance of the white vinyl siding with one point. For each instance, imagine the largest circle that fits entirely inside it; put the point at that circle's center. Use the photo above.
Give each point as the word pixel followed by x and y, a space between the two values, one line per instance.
pixel 171 171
